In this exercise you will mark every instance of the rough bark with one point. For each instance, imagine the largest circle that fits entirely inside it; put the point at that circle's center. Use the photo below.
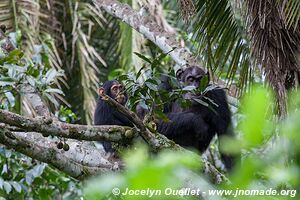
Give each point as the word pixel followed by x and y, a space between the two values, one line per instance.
pixel 49 126
pixel 80 161
pixel 155 140
pixel 34 99
pixel 144 25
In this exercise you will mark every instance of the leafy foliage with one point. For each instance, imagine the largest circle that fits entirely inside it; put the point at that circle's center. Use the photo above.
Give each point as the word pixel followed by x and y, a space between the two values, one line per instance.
pixel 143 88
pixel 168 170
pixel 17 70
pixel 23 178
pixel 66 115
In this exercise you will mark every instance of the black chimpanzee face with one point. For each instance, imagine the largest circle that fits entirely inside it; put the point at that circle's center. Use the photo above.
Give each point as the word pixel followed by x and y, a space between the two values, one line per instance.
pixel 191 76
pixel 115 90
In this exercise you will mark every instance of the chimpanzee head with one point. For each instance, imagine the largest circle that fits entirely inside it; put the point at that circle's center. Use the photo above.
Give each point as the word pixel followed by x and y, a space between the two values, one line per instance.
pixel 191 76
pixel 115 90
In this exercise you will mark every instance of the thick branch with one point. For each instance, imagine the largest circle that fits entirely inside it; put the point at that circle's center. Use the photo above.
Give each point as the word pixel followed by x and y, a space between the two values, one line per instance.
pixel 30 93
pixel 47 126
pixel 143 24
pixel 78 163
pixel 156 141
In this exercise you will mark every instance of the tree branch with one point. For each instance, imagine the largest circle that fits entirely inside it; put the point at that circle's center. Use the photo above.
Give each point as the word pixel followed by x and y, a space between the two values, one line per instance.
pixel 82 161
pixel 146 26
pixel 156 141
pixel 48 126
pixel 30 93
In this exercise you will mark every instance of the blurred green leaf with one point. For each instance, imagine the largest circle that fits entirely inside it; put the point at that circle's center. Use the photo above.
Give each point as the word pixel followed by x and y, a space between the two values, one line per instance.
pixel 143 57
pixel 255 109
pixel 143 172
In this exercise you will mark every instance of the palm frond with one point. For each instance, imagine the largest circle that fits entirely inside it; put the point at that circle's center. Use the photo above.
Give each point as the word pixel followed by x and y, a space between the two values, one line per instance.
pixel 291 11
pixel 125 46
pixel 85 18
pixel 7 14
pixel 221 41
pixel 274 45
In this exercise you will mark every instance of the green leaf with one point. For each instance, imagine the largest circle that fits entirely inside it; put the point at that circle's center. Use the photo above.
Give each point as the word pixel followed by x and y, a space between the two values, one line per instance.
pixel 203 83
pixel 50 75
pixel 255 108
pixel 17 186
pixel 162 116
pixel 140 72
pixel 13 57
pixel 6 81
pixel 123 77
pixel 143 57
pixel 14 67
pixel 116 73
pixel 16 53
pixel 54 90
pixel 7 187
pixel 31 70
pixel 11 99
pixel 151 86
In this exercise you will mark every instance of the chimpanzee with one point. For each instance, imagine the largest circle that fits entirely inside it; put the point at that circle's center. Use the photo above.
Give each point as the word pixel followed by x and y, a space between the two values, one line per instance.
pixel 106 115
pixel 196 125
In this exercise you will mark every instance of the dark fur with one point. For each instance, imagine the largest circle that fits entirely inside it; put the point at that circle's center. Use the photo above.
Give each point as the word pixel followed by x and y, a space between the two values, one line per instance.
pixel 106 115
pixel 198 124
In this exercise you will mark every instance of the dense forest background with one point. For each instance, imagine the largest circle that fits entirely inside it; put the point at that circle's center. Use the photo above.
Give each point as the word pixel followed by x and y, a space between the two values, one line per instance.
pixel 55 55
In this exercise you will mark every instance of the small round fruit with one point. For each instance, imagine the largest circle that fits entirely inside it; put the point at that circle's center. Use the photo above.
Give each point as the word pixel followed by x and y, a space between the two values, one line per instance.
pixel 66 147
pixel 60 145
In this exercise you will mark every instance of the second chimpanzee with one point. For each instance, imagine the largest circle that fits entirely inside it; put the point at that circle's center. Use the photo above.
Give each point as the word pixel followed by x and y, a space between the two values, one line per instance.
pixel 106 115
pixel 196 125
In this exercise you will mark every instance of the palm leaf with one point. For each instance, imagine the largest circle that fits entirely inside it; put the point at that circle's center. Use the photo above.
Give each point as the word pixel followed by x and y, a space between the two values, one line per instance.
pixel 292 13
pixel 221 41
pixel 275 44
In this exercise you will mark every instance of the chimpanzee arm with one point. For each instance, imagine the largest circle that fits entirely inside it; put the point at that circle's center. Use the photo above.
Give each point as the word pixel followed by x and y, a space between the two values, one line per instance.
pixel 222 122
pixel 220 118
pixel 141 112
